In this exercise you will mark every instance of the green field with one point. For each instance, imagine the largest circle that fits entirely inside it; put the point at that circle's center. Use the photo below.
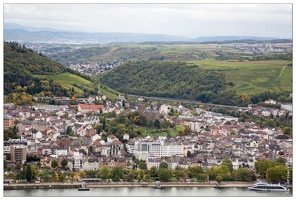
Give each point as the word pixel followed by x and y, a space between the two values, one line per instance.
pixel 67 80
pixel 253 76
pixel 113 95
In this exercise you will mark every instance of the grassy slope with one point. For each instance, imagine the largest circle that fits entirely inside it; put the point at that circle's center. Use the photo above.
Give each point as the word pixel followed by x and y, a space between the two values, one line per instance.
pixel 253 76
pixel 67 80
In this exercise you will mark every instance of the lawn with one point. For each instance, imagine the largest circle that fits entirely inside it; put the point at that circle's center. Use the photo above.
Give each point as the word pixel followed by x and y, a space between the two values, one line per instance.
pixel 156 132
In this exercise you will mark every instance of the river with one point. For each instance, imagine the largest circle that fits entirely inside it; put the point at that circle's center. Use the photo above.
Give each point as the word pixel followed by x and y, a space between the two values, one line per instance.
pixel 145 192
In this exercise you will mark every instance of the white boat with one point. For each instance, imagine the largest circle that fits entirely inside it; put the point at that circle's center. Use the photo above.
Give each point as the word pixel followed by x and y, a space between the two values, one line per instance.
pixel 83 187
pixel 263 186
pixel 158 186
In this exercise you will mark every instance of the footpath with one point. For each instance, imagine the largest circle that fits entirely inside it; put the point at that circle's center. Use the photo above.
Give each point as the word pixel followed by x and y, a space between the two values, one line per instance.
pixel 55 185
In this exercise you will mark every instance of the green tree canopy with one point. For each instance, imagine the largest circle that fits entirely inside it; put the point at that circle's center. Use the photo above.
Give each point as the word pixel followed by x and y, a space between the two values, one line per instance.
pixel 153 171
pixel 227 162
pixel 277 173
pixel 29 173
pixel 54 164
pixel 105 173
pixel 142 165
pixel 163 165
pixel 64 163
pixel 243 174
pixel 165 174
pixel 117 173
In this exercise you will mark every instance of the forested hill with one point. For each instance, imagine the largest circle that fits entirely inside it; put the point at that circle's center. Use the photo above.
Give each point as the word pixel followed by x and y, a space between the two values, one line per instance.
pixel 21 65
pixel 167 79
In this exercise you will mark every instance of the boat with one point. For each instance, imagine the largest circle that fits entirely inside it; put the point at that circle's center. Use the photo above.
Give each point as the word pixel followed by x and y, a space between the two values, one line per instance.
pixel 83 187
pixel 158 186
pixel 218 186
pixel 263 186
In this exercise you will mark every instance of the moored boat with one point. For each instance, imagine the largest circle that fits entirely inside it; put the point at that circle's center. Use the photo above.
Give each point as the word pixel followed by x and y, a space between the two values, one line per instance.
pixel 263 186
pixel 218 186
pixel 83 187
pixel 158 186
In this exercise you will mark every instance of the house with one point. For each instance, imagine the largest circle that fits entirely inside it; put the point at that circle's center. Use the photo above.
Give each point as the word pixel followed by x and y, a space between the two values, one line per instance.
pixel 91 164
pixel 265 113
pixel 270 101
pixel 112 138
pixel 84 108
pixel 112 162
pixel 86 130
pixel 116 147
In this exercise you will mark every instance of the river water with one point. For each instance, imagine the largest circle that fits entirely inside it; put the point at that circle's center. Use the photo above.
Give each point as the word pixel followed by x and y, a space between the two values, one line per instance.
pixel 145 192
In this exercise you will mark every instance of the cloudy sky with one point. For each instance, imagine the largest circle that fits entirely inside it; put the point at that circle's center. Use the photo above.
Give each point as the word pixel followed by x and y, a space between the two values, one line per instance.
pixel 190 20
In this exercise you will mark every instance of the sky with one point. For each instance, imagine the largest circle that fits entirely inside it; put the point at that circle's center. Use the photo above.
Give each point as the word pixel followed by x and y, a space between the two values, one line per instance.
pixel 191 20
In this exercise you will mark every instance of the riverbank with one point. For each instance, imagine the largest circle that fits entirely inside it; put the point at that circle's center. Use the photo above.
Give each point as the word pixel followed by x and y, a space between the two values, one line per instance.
pixel 123 184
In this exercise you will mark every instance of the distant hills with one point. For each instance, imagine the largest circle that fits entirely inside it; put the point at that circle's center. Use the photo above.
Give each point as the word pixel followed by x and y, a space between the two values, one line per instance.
pixel 19 33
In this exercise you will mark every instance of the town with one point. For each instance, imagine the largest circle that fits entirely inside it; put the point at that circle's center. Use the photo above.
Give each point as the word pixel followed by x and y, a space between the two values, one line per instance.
pixel 68 132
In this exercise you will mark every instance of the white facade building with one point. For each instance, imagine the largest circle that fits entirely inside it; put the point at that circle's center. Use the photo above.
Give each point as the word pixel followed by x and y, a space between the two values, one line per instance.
pixel 194 126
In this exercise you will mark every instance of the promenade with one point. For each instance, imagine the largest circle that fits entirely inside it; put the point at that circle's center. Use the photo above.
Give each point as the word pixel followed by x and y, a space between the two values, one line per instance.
pixel 55 185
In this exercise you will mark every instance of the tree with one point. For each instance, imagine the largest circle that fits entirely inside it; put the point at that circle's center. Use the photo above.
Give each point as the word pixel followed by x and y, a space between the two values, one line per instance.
pixel 281 160
pixel 54 164
pixel 287 130
pixel 143 165
pixel 261 166
pixel 243 174
pixel 153 171
pixel 68 130
pixel 227 162
pixel 29 173
pixel 181 174
pixel 277 173
pixel 165 174
pixel 188 154
pixel 117 173
pixel 45 176
pixel 163 165
pixel 196 170
pixel 219 179
pixel 105 173
pixel 64 163
pixel 221 170
pixel 90 150
pixel 156 124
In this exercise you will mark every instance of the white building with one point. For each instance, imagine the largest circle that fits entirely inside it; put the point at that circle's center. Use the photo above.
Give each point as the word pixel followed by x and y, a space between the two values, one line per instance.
pixel 194 126
pixel 77 161
pixel 159 149
pixel 60 152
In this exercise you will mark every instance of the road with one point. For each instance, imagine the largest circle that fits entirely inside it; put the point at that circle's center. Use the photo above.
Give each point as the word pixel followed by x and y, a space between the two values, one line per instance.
pixel 186 101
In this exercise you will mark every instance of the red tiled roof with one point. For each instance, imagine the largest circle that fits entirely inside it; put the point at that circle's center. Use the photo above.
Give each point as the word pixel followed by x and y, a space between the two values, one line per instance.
pixel 90 107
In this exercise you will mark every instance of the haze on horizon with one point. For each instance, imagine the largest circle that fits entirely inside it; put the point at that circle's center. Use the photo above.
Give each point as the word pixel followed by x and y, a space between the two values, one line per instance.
pixel 189 20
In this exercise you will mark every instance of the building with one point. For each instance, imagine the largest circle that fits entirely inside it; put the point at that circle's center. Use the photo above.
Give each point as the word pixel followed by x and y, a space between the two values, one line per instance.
pixel 85 108
pixel 194 126
pixel 8 121
pixel 18 153
pixel 77 161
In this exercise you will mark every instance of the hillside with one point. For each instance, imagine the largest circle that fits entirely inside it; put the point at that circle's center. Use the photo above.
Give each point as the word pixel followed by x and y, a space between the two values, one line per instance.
pixel 166 79
pixel 181 81
pixel 27 74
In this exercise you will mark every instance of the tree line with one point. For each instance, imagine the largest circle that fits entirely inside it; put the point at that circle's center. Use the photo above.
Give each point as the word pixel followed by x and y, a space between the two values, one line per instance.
pixel 271 171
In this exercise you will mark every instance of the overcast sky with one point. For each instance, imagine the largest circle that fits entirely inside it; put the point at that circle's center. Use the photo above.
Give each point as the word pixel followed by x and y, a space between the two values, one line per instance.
pixel 190 20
